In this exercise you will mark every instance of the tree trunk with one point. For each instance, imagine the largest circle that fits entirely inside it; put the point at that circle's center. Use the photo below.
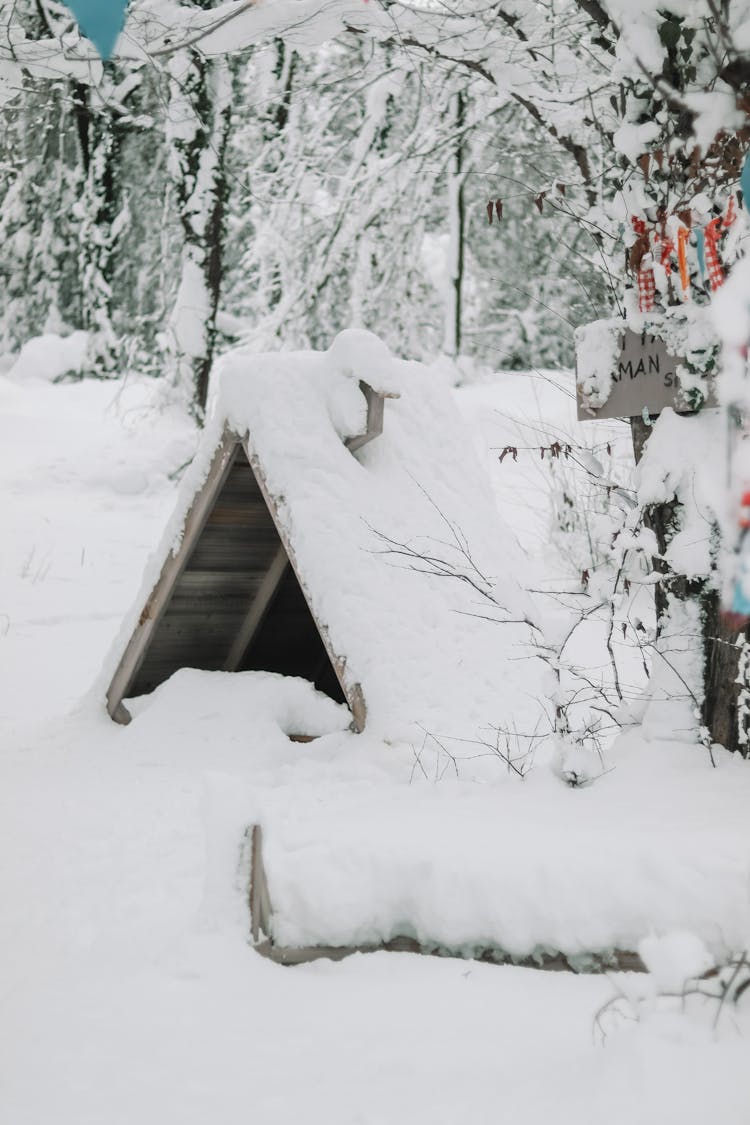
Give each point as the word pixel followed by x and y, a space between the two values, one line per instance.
pixel 457 232
pixel 727 679
pixel 722 690
pixel 199 121
pixel 99 143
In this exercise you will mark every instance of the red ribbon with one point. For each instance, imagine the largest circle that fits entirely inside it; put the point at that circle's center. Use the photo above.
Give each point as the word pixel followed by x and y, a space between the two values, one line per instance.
pixel 667 250
pixel 711 235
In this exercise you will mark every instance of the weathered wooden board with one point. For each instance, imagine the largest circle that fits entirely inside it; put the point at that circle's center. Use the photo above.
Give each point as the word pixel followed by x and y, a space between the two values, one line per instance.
pixel 374 424
pixel 234 549
pixel 645 378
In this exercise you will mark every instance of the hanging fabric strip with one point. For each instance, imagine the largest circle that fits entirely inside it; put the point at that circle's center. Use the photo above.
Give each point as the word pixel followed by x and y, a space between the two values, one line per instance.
pixel 730 214
pixel 667 250
pixel 645 276
pixel 646 290
pixel 711 239
pixel 683 234
pixel 700 249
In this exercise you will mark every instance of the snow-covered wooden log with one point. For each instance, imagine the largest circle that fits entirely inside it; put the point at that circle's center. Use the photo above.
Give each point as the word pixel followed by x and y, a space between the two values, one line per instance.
pixel 262 931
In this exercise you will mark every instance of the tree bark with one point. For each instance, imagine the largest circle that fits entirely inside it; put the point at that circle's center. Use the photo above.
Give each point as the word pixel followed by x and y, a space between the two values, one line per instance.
pixel 457 233
pixel 99 144
pixel 724 694
pixel 198 132
pixel 725 708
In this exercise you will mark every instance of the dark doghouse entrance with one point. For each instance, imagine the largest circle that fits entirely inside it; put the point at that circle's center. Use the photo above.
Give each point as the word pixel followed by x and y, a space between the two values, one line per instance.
pixel 235 602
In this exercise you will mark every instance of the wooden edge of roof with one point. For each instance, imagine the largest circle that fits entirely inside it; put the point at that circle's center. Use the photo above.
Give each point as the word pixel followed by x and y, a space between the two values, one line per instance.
pixel 175 562
pixel 352 691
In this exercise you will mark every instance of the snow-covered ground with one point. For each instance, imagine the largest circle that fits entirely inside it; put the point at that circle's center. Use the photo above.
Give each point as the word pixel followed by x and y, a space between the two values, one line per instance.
pixel 128 989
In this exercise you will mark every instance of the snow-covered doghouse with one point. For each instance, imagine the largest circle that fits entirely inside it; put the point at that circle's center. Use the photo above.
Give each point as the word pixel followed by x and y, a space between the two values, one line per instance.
pixel 337 525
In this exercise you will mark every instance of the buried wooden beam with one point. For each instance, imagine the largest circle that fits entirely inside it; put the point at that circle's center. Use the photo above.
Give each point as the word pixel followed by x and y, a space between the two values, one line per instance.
pixel 261 926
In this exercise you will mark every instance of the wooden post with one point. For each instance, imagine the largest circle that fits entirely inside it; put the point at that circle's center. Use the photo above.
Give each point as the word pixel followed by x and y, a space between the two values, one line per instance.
pixel 457 235
pixel 260 901
pixel 375 409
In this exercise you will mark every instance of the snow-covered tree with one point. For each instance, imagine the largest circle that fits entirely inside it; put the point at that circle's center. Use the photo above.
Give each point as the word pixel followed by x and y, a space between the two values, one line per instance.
pixel 277 173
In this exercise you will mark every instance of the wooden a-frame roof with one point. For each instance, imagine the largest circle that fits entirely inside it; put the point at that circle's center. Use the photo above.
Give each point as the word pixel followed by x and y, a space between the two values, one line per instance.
pixel 230 598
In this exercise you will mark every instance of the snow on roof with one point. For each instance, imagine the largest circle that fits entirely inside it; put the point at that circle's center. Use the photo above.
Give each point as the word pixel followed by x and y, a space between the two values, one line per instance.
pixel 394 546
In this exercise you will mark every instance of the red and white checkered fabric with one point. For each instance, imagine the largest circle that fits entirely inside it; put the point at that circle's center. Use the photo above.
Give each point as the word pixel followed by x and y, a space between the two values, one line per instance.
pixel 646 291
pixel 645 276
